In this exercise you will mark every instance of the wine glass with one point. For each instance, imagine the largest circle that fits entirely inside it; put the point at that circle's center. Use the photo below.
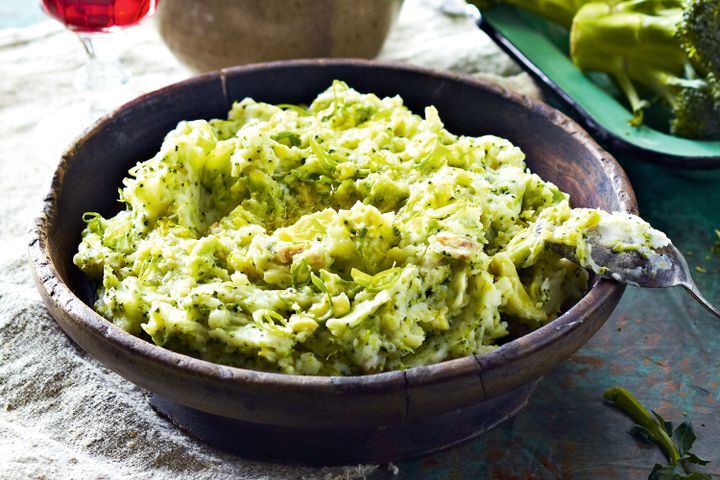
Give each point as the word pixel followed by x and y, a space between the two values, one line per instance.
pixel 101 83
pixel 91 18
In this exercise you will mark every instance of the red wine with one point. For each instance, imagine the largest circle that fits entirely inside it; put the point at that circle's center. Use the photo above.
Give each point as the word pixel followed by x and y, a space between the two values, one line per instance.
pixel 98 15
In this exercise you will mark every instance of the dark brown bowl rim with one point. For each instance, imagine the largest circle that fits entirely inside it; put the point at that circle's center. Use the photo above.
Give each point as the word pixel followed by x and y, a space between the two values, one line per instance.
pixel 64 298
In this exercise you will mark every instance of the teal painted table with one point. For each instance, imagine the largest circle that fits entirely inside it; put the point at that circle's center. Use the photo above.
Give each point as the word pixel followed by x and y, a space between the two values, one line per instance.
pixel 659 344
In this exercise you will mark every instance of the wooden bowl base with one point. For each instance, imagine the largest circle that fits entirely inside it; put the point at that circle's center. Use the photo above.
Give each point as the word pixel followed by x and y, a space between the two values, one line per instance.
pixel 310 446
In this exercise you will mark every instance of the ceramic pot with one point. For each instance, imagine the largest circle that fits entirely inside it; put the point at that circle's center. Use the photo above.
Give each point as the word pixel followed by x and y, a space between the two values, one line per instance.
pixel 211 34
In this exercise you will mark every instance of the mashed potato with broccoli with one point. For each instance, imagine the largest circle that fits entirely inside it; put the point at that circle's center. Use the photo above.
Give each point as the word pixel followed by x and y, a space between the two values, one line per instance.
pixel 347 237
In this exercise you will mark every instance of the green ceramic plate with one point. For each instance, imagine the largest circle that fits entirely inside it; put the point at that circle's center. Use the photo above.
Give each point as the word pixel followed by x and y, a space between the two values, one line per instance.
pixel 542 49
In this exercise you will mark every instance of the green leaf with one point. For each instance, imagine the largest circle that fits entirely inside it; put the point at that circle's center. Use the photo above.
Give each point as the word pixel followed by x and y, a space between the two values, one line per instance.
pixel 676 472
pixel 641 433
pixel 692 458
pixel 697 476
pixel 667 426
pixel 665 472
pixel 652 428
pixel 656 425
pixel 684 437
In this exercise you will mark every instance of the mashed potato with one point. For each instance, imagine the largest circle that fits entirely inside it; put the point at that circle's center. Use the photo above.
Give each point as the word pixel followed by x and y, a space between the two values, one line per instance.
pixel 348 237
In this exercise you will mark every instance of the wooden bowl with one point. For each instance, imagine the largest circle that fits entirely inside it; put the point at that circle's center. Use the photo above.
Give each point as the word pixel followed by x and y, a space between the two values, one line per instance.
pixel 211 34
pixel 329 420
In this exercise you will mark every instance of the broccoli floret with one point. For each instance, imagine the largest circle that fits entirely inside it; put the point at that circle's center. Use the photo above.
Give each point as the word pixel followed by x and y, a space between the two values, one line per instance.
pixel 669 47
pixel 696 112
pixel 699 34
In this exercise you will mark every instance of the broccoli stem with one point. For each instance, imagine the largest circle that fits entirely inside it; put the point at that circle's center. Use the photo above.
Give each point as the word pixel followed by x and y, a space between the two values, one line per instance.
pixel 610 37
pixel 666 85
pixel 557 11
pixel 637 105
pixel 629 404
pixel 637 43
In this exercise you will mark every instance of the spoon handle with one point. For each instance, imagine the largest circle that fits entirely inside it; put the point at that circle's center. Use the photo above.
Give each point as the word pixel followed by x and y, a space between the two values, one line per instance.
pixel 695 292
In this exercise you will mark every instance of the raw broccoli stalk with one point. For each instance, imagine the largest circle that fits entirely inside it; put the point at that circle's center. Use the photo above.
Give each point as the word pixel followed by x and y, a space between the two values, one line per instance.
pixel 670 47
pixel 557 11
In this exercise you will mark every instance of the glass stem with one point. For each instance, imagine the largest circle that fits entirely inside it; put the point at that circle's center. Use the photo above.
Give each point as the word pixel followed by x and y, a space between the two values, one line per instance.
pixel 102 71
pixel 88 46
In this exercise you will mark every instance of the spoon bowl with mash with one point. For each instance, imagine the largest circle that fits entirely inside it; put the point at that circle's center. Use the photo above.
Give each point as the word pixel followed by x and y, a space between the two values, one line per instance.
pixel 666 268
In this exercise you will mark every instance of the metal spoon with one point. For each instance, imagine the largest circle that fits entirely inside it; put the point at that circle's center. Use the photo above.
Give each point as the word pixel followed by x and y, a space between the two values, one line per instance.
pixel 633 268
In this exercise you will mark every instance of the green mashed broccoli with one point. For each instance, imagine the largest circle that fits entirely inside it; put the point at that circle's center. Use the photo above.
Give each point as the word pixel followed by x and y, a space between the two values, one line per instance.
pixel 348 237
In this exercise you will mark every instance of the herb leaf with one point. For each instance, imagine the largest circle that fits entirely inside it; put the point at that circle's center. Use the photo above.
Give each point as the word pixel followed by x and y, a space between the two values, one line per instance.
pixel 653 428
pixel 675 472
pixel 667 426
pixel 684 437
pixel 641 433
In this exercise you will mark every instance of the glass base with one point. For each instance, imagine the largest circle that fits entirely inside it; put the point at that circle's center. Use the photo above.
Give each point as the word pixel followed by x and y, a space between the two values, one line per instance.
pixel 100 75
pixel 102 80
